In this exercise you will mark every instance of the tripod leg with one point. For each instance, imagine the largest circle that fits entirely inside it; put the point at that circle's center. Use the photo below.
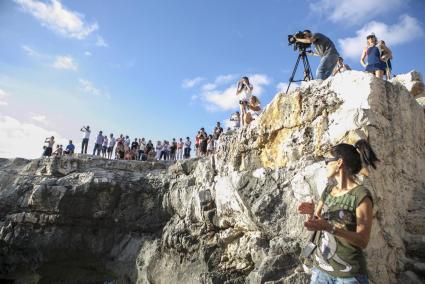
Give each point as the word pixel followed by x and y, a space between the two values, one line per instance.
pixel 307 70
pixel 291 79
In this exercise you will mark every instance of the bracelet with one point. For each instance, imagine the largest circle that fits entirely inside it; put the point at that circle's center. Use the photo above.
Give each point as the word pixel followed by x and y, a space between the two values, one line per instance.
pixel 333 229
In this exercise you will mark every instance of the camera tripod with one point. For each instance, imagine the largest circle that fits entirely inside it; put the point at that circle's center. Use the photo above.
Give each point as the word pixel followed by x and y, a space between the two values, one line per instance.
pixel 308 75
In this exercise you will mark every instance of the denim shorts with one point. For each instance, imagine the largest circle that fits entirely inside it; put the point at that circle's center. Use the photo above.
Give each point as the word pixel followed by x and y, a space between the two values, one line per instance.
pixel 320 277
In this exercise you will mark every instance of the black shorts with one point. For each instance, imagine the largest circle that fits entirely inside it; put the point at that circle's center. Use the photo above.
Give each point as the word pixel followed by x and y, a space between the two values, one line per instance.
pixel 110 149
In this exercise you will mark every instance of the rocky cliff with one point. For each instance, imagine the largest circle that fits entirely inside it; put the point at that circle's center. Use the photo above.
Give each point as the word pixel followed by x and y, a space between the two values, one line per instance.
pixel 231 217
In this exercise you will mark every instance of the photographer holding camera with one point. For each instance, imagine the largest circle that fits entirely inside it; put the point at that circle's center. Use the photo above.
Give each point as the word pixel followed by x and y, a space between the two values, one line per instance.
pixel 325 48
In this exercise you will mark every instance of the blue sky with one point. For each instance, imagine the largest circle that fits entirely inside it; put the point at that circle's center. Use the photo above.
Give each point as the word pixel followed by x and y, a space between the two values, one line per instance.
pixel 163 69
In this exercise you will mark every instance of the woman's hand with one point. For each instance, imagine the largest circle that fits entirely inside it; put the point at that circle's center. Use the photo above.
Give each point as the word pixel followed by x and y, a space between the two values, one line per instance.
pixel 306 208
pixel 317 224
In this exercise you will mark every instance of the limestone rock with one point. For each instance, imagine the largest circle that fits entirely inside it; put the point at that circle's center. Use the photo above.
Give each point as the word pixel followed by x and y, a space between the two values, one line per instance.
pixel 228 218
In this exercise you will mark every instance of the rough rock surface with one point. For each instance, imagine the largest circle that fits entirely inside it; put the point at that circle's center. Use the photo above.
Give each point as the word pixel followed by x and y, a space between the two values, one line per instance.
pixel 227 218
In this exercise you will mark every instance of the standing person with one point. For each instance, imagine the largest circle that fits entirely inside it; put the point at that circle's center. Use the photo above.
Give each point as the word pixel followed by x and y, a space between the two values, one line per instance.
pixel 197 142
pixel 343 217
pixel 86 137
pixel 324 48
pixel 340 66
pixel 243 91
pixel 104 146
pixel 180 146
pixel 186 148
pixel 69 150
pixel 217 130
pixel 142 148
pixel 210 145
pixel 164 150
pixel 111 145
pixel 386 56
pixel 49 148
pixel 173 149
pixel 127 141
pixel 149 147
pixel 235 120
pixel 158 149
pixel 374 65
pixel 98 145
pixel 134 149
pixel 204 142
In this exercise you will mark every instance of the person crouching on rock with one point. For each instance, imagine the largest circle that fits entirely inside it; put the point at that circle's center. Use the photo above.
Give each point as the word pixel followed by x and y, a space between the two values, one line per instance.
pixel 343 217
pixel 253 110
pixel 243 91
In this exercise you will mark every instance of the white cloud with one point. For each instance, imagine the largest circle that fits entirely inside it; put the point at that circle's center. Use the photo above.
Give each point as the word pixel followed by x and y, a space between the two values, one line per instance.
pixel 87 53
pixel 3 96
pixel 282 86
pixel 100 41
pixel 208 87
pixel 89 88
pixel 227 99
pixel 65 62
pixel 24 139
pixel 354 11
pixel 407 29
pixel 190 83
pixel 39 118
pixel 30 51
pixel 224 79
pixel 59 19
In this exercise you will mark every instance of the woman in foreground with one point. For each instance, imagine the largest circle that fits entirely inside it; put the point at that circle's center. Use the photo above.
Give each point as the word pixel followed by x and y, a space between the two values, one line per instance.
pixel 343 217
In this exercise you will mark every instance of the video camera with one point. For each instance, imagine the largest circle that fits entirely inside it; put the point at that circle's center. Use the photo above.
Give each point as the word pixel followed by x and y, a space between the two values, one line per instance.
pixel 301 46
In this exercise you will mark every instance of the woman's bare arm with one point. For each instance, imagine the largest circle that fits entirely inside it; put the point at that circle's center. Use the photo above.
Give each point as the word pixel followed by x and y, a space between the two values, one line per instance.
pixel 362 58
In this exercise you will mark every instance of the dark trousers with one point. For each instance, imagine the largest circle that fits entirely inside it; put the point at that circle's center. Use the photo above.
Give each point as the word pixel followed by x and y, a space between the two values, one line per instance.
pixel 163 154
pixel 97 147
pixel 84 145
pixel 186 154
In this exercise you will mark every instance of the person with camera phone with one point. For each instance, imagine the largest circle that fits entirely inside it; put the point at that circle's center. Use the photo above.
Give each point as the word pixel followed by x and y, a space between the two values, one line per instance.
pixel 324 48
pixel 243 91
pixel 343 217
pixel 86 136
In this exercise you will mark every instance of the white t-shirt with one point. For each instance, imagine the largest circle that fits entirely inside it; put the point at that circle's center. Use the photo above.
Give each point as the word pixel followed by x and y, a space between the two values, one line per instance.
pixel 105 142
pixel 187 144
pixel 112 142
pixel 86 133
pixel 142 146
pixel 245 95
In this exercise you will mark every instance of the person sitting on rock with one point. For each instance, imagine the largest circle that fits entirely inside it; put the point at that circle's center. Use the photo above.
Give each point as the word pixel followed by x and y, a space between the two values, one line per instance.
pixel 343 217
pixel 58 151
pixel 254 110
pixel 70 148
pixel 340 66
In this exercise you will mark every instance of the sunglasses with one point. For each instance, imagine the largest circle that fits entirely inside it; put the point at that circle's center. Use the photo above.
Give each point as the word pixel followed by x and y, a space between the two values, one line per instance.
pixel 328 160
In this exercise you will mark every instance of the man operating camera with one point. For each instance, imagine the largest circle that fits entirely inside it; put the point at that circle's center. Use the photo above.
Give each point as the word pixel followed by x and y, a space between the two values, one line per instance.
pixel 324 48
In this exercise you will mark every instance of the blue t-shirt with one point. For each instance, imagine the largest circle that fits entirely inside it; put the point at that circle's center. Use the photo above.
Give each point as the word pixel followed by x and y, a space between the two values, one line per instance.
pixel 70 148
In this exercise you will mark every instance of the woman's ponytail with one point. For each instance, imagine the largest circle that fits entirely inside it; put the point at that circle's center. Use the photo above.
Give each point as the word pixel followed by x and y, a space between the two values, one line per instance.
pixel 367 155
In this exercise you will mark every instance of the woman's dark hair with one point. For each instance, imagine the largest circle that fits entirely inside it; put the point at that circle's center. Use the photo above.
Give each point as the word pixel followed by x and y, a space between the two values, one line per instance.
pixel 355 156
